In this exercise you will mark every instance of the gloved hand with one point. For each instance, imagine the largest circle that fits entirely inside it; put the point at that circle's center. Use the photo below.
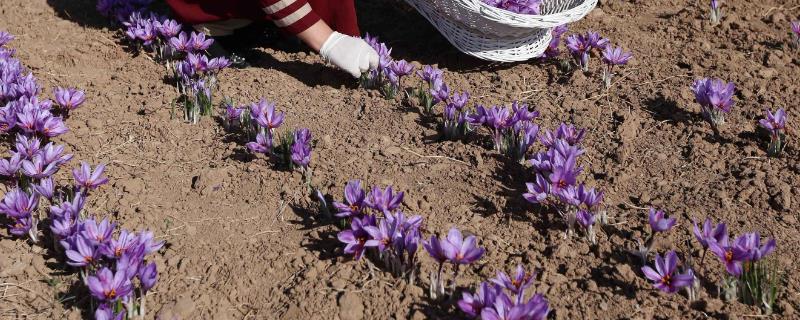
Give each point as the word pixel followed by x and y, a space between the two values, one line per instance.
pixel 350 54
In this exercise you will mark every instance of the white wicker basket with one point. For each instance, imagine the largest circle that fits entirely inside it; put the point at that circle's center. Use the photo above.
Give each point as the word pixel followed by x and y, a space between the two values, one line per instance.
pixel 495 34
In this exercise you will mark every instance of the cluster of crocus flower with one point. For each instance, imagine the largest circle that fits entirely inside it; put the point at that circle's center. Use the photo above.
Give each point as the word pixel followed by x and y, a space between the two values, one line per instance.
pixel 613 56
pixel 556 183
pixel 513 130
pixel 260 121
pixel 516 6
pixel 552 50
pixel 389 74
pixel 716 12
pixel 795 26
pixel 454 114
pixel 151 32
pixel 775 123
pixel 581 45
pixel 121 10
pixel 750 278
pixel 114 269
pixel 504 297
pixel 379 228
pixel 715 98
pixel 454 249
pixel 436 91
pixel 196 75
pixel 659 223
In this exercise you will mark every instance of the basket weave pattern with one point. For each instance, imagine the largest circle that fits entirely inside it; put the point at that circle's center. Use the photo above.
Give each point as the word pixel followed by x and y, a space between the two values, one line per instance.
pixel 490 33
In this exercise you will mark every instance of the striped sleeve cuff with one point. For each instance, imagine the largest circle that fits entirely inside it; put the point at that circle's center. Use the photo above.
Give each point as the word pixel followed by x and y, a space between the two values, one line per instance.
pixel 293 16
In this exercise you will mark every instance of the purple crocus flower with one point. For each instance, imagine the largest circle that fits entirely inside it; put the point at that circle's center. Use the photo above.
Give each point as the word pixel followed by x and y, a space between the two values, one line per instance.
pixel 301 154
pixel 579 47
pixel 63 225
pixel 435 248
pixel 148 276
pixel 52 153
pixel 664 277
pixel 517 285
pixel 83 253
pixel 795 26
pixel 87 179
pixel 439 90
pixel 538 191
pixel 146 239
pixel 473 304
pixel 357 236
pixel 552 50
pixel 354 200
pixel 384 200
pixel 589 197
pixel 585 218
pixel 17 203
pixel 114 248
pixel 716 12
pixel 459 250
pixel 5 38
pixel 659 222
pixel 68 98
pixel 98 234
pixel 382 236
pixel 616 56
pixel 105 312
pixel 9 167
pixel 709 233
pixel 261 145
pixel 21 226
pixel 37 168
pixel 232 113
pixel 429 73
pixel 715 98
pixel 52 127
pixel 216 65
pixel 594 40
pixel 774 123
pixel 109 286
pixel 168 28
pixel 27 147
pixel 265 115
pixel 45 188
pixel 181 43
pixel 751 243
pixel 198 41
pixel 401 68
pixel 731 256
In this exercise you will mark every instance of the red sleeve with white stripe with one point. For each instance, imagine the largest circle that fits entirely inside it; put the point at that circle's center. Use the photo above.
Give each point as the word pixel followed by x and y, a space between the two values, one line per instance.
pixel 294 16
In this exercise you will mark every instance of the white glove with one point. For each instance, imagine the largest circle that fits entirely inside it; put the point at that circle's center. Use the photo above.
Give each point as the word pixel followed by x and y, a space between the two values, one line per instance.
pixel 350 54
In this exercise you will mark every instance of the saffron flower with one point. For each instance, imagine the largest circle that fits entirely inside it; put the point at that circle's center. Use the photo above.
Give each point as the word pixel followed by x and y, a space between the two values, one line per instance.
pixel 579 47
pixel 716 12
pixel 82 253
pixel 552 50
pixel 659 221
pixel 198 42
pixel 357 236
pixel 776 125
pixel 168 28
pixel 715 98
pixel 104 311
pixel 473 304
pixel 68 98
pixel 516 6
pixel 796 33
pixel 517 285
pixel 459 250
pixel 301 148
pixel 613 57
pixel 45 188
pixel 751 243
pixel 5 38
pixel 17 203
pixel 109 286
pixel 710 233
pixel 87 179
pixel 181 43
pixel 37 168
pixel 384 200
pixel 381 235
pixel 97 233
pixel 148 275
pixel 664 277
pixel 261 145
pixel 731 256
pixel 263 112
pixel 10 166
pixel 354 200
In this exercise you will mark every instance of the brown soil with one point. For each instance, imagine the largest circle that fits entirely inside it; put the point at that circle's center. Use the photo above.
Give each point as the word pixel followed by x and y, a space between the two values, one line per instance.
pixel 242 238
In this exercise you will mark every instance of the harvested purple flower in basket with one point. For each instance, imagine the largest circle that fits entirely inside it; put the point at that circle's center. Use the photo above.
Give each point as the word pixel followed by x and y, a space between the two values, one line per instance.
pixel 775 123
pixel 516 6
